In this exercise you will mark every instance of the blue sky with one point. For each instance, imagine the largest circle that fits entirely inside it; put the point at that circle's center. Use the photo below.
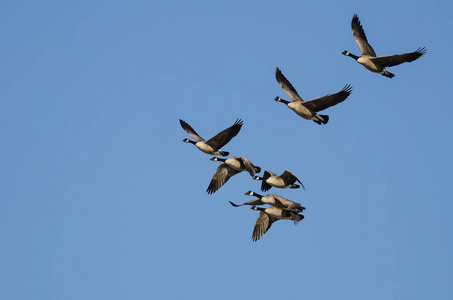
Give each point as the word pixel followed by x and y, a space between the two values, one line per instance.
pixel 100 198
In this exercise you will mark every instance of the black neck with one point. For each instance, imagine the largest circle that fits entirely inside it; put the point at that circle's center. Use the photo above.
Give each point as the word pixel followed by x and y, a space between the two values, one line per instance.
pixel 284 101
pixel 257 195
pixel 353 56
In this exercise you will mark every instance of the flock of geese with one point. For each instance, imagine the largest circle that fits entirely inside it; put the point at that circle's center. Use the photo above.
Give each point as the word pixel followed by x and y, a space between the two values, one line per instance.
pixel 281 208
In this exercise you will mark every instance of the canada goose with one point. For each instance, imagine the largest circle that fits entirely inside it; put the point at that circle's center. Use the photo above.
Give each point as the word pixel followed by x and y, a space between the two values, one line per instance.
pixel 308 110
pixel 230 167
pixel 213 145
pixel 273 200
pixel 268 216
pixel 368 58
pixel 283 181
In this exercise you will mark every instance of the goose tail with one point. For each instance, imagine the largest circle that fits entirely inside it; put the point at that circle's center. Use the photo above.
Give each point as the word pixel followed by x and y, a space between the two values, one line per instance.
pixel 321 119
pixel 388 74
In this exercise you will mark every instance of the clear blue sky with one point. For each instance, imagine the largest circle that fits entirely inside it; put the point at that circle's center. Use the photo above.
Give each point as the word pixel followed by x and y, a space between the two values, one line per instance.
pixel 100 198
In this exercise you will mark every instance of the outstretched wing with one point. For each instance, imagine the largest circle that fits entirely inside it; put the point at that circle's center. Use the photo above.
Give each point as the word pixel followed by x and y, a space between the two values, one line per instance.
pixel 324 102
pixel 262 225
pixel 248 166
pixel 190 131
pixel 290 178
pixel 360 37
pixel 290 205
pixel 221 176
pixel 222 138
pixel 287 86
pixel 253 202
pixel 396 59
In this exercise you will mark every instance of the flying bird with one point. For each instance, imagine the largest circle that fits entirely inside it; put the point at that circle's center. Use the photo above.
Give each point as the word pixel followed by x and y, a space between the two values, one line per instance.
pixel 308 109
pixel 369 60
pixel 214 144
pixel 283 181
pixel 230 167
pixel 273 200
pixel 268 216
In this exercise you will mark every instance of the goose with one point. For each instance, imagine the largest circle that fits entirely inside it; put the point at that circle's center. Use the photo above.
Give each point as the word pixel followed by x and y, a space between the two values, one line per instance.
pixel 369 60
pixel 213 145
pixel 273 200
pixel 230 167
pixel 283 181
pixel 308 109
pixel 268 216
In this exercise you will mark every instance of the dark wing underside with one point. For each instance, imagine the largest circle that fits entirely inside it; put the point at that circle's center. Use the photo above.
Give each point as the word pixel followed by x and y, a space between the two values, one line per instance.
pixel 262 225
pixel 264 185
pixel 396 59
pixel 324 102
pixel 287 86
pixel 190 131
pixel 290 178
pixel 221 176
pixel 222 138
pixel 248 166
pixel 360 37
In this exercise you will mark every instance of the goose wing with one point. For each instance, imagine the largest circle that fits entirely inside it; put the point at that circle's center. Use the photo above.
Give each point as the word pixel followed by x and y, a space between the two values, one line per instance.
pixel 290 178
pixel 324 102
pixel 223 137
pixel 190 131
pixel 287 86
pixel 221 176
pixel 264 185
pixel 290 205
pixel 360 37
pixel 248 166
pixel 262 225
pixel 396 59
pixel 253 202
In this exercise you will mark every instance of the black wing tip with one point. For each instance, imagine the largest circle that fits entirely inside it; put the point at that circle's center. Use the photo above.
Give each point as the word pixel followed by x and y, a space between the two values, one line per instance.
pixel 347 88
pixel 355 20
pixel 421 51
pixel 212 188
pixel 239 122
pixel 234 204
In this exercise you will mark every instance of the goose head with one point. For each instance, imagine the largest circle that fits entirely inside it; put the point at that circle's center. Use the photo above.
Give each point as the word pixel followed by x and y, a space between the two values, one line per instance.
pixel 257 178
pixel 250 193
pixel 345 52
pixel 279 99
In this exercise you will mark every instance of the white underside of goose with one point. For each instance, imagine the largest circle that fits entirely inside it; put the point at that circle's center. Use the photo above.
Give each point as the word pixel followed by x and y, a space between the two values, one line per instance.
pixel 207 149
pixel 365 61
pixel 277 182
pixel 234 163
pixel 300 110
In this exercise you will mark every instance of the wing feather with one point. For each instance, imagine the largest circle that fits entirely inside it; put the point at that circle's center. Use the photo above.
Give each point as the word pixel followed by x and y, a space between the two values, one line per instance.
pixel 287 86
pixel 223 137
pixel 327 101
pixel 190 131
pixel 360 37
pixel 396 59
pixel 221 176
pixel 262 225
